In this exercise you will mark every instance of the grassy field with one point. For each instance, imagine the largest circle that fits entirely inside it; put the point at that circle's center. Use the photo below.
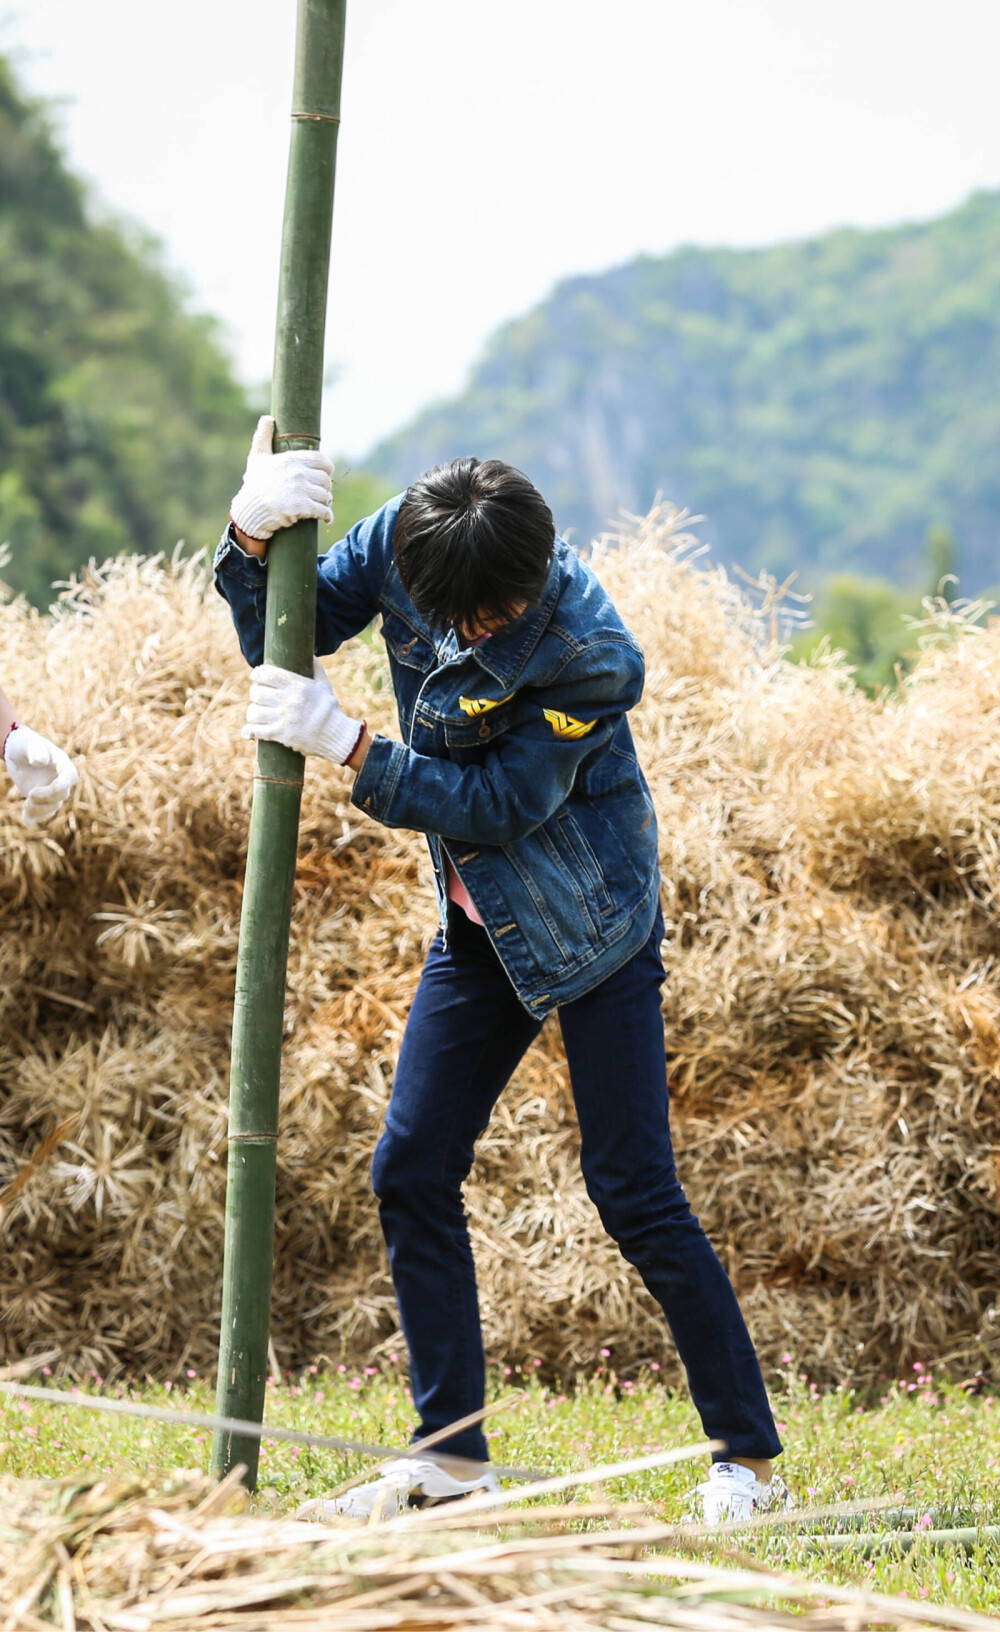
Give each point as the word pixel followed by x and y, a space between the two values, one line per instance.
pixel 925 1444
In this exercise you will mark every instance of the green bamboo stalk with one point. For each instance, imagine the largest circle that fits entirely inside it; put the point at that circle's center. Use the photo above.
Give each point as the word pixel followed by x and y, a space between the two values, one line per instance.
pixel 296 396
pixel 902 1541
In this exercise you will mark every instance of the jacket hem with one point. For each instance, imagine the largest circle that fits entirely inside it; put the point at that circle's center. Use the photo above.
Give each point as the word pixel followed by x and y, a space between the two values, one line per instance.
pixel 566 988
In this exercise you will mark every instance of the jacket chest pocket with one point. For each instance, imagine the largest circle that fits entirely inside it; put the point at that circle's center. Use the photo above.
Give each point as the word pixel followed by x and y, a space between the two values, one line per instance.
pixel 406 644
pixel 476 729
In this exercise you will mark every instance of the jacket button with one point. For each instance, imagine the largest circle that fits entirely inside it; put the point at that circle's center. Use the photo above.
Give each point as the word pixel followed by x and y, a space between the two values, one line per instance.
pixel 404 651
pixel 484 730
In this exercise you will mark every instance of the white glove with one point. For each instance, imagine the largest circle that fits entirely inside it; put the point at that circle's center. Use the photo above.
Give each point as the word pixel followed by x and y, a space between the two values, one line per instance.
pixel 41 771
pixel 303 714
pixel 279 488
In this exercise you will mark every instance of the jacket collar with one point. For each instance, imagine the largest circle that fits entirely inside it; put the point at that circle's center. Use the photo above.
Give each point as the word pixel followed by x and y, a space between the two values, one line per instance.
pixel 507 651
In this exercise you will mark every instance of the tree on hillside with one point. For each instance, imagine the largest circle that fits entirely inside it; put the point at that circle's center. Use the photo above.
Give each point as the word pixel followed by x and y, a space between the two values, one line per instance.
pixel 871 620
pixel 122 425
pixel 816 402
pixel 864 618
pixel 942 560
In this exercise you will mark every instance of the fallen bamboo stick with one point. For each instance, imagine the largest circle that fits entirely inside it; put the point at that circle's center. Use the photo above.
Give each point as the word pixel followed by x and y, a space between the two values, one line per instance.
pixel 903 1541
pixel 259 1430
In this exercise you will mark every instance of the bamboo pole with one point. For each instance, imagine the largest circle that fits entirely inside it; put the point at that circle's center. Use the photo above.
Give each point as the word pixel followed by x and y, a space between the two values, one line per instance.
pixel 289 639
pixel 902 1541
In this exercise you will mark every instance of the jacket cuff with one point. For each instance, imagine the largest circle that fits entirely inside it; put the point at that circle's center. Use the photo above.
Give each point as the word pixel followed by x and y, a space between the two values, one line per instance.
pixel 376 782
pixel 231 556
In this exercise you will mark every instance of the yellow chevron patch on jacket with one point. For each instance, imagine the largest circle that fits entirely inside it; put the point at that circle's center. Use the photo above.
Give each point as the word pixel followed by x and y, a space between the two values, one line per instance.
pixel 564 725
pixel 481 705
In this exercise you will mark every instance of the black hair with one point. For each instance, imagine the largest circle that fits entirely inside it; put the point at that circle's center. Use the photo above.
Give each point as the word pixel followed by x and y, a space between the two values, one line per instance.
pixel 473 539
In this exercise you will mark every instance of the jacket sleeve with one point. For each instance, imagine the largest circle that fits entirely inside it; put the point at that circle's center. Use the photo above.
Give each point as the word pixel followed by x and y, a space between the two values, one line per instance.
pixel 530 772
pixel 349 582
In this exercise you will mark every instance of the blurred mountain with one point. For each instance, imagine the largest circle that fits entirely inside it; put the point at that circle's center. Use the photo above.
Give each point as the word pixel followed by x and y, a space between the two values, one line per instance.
pixel 122 425
pixel 821 403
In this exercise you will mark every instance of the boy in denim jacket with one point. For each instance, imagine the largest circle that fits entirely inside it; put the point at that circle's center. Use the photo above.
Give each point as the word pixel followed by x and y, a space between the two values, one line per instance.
pixel 513 676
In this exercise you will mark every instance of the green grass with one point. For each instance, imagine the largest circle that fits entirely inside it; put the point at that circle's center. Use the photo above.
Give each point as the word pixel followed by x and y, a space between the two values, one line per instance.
pixel 924 1443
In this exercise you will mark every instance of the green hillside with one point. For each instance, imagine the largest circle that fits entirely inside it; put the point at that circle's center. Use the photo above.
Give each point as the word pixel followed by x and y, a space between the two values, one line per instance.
pixel 821 403
pixel 122 425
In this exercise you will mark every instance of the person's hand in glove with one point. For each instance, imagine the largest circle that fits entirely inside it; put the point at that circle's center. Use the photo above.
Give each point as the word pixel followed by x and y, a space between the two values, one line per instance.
pixel 279 489
pixel 43 773
pixel 303 714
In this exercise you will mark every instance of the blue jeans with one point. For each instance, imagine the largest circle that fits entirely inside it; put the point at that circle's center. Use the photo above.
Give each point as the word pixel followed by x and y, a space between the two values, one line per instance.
pixel 466 1033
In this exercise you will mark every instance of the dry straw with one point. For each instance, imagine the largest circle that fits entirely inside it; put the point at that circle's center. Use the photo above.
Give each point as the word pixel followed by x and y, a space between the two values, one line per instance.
pixel 830 878
pixel 110 1556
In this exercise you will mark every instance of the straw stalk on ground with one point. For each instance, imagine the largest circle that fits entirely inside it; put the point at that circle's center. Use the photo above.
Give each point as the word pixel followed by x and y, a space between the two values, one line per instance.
pixel 111 1555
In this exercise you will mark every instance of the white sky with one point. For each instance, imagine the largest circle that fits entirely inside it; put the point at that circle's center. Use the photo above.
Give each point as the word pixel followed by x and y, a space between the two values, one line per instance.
pixel 489 150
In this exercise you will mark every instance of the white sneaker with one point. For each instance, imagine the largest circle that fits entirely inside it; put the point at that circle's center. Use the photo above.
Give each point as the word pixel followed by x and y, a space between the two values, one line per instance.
pixel 413 1481
pixel 732 1492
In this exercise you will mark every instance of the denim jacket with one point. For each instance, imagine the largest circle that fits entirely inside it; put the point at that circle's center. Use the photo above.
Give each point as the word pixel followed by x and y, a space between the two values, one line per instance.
pixel 516 761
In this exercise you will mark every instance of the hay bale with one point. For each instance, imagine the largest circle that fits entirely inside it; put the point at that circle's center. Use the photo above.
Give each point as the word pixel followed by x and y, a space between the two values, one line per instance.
pixel 832 1009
